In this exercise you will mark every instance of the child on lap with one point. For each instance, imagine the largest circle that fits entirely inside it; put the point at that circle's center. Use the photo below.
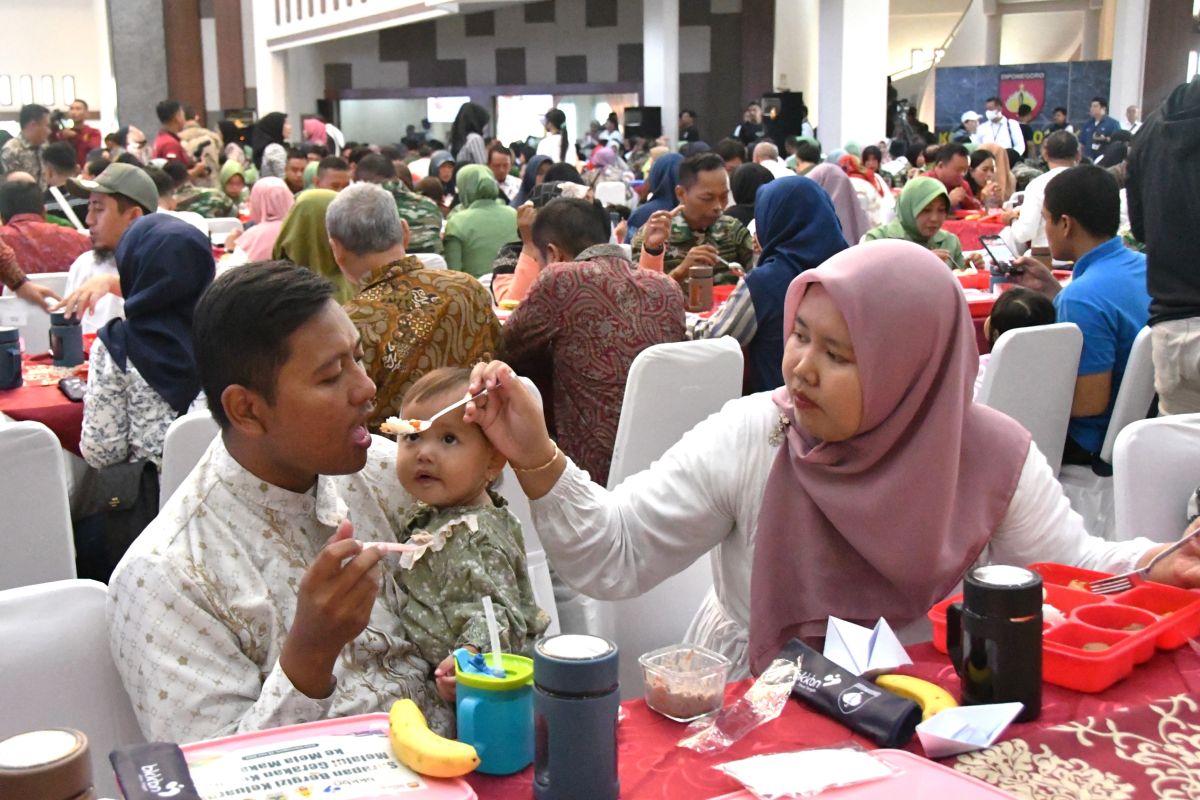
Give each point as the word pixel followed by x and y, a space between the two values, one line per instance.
pixel 472 544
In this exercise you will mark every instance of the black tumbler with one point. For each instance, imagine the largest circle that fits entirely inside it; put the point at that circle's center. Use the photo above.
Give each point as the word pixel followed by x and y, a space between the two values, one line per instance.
pixel 994 637
pixel 575 707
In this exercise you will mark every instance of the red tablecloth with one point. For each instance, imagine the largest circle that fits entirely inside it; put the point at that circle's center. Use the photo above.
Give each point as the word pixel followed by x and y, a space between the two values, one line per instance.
pixel 968 231
pixel 47 405
pixel 1037 759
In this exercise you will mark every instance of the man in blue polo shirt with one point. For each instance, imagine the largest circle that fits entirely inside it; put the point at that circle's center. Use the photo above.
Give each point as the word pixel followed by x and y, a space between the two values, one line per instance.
pixel 1098 131
pixel 1106 297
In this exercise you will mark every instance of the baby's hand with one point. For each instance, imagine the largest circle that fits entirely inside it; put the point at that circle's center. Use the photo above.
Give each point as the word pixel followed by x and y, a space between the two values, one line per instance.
pixel 444 678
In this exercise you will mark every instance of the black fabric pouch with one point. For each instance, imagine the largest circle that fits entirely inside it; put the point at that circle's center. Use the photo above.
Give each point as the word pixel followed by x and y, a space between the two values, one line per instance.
pixel 110 509
pixel 869 710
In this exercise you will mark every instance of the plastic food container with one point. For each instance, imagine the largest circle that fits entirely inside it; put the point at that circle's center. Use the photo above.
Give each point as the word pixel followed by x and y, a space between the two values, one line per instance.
pixel 684 681
pixel 1101 637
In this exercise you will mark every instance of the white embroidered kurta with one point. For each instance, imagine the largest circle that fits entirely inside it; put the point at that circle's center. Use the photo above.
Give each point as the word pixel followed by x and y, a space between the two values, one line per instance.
pixel 200 606
pixel 704 495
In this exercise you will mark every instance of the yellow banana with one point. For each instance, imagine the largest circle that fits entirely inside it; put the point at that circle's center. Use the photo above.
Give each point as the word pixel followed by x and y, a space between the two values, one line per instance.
pixel 423 751
pixel 929 696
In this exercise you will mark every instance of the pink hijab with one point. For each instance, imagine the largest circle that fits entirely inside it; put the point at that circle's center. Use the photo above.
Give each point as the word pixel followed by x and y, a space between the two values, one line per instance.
pixel 888 521
pixel 314 131
pixel 850 212
pixel 270 200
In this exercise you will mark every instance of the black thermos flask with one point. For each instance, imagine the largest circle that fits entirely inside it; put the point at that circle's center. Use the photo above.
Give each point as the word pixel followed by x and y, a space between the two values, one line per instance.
pixel 575 707
pixel 994 637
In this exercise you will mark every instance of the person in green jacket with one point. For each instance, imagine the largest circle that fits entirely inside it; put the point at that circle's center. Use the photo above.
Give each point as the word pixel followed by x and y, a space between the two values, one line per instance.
pixel 920 212
pixel 304 241
pixel 482 224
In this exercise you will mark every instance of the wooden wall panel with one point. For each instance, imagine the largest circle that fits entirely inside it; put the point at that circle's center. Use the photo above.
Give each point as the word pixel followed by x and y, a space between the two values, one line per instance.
pixel 231 64
pixel 185 59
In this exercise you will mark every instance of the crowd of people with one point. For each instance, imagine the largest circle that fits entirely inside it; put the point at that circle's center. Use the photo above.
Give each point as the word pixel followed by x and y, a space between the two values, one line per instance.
pixel 369 283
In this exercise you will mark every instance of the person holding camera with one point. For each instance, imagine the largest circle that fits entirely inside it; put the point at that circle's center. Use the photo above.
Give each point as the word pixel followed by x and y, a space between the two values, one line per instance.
pixel 73 129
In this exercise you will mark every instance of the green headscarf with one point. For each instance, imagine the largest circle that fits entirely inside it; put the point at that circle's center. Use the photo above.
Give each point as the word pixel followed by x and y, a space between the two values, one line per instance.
pixel 852 148
pixel 304 241
pixel 919 193
pixel 476 182
pixel 310 173
pixel 228 170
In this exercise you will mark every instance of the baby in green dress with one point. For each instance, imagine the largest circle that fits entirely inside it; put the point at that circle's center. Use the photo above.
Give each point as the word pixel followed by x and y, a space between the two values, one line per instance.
pixel 472 544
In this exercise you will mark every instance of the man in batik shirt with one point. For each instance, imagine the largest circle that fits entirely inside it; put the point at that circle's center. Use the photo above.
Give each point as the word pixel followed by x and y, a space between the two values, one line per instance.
pixel 412 319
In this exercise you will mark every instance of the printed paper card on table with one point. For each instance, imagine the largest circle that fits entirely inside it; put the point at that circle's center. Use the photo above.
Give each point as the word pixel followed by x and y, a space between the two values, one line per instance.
pixel 864 651
pixel 965 728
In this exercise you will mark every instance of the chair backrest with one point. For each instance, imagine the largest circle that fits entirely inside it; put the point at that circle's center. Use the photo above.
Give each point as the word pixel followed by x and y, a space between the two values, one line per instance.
pixel 1136 392
pixel 54 281
pixel 611 193
pixel 36 537
pixel 627 249
pixel 1031 378
pixel 431 260
pixel 32 320
pixel 221 227
pixel 671 388
pixel 1015 200
pixel 1156 467
pixel 58 671
pixel 187 439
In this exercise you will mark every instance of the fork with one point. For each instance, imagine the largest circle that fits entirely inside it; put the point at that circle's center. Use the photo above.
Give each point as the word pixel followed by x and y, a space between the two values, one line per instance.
pixel 1127 580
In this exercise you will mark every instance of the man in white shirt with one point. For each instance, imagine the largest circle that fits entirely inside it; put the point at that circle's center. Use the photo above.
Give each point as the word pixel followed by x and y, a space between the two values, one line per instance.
pixel 1061 151
pixel 500 163
pixel 766 153
pixel 252 601
pixel 1133 119
pixel 1000 129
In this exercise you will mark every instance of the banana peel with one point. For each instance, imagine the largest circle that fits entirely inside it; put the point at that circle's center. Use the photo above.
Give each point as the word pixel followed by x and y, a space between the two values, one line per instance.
pixel 929 696
pixel 417 747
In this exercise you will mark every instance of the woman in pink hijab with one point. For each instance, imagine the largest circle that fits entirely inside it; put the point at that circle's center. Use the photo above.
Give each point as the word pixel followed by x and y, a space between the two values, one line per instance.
pixel 315 132
pixel 865 487
pixel 270 200
pixel 841 191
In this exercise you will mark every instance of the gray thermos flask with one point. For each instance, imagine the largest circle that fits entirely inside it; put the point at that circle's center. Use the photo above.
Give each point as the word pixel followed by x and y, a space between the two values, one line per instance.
pixel 10 358
pixel 66 340
pixel 575 707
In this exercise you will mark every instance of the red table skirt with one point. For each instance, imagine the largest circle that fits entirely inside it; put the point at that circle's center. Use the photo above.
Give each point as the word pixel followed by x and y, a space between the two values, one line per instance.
pixel 968 231
pixel 1036 759
pixel 47 405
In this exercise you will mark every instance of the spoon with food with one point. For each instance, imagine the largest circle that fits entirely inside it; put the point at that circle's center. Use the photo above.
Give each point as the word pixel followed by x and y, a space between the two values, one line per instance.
pixel 402 427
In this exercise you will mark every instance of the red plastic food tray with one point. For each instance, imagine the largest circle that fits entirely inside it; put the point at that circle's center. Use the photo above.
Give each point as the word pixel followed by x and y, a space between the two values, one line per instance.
pixel 1170 615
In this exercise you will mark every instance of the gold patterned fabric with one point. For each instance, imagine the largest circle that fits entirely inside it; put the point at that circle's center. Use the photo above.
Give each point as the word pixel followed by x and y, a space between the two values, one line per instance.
pixel 413 320
pixel 1142 751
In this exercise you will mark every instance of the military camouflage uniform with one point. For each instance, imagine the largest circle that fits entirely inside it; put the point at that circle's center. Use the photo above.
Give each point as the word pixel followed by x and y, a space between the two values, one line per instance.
pixel 729 236
pixel 423 218
pixel 473 551
pixel 18 155
pixel 208 203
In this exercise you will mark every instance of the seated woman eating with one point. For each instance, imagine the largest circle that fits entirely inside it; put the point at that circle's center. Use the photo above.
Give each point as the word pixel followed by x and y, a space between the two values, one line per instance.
pixel 866 487
pixel 921 211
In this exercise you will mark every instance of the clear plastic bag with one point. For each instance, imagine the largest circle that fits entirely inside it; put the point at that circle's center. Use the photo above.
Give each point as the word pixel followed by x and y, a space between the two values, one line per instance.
pixel 762 702
pixel 805 773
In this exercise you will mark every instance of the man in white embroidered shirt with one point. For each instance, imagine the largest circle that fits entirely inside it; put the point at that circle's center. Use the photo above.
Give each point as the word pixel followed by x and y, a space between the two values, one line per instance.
pixel 1000 129
pixel 251 602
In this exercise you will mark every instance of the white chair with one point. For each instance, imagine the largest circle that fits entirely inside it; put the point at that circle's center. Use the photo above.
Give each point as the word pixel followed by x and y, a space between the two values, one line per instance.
pixel 431 260
pixel 612 193
pixel 670 388
pixel 58 671
pixel 627 249
pixel 1091 494
pixel 1031 378
pixel 221 227
pixel 32 320
pixel 1156 467
pixel 54 281
pixel 36 537
pixel 187 439
pixel 535 557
